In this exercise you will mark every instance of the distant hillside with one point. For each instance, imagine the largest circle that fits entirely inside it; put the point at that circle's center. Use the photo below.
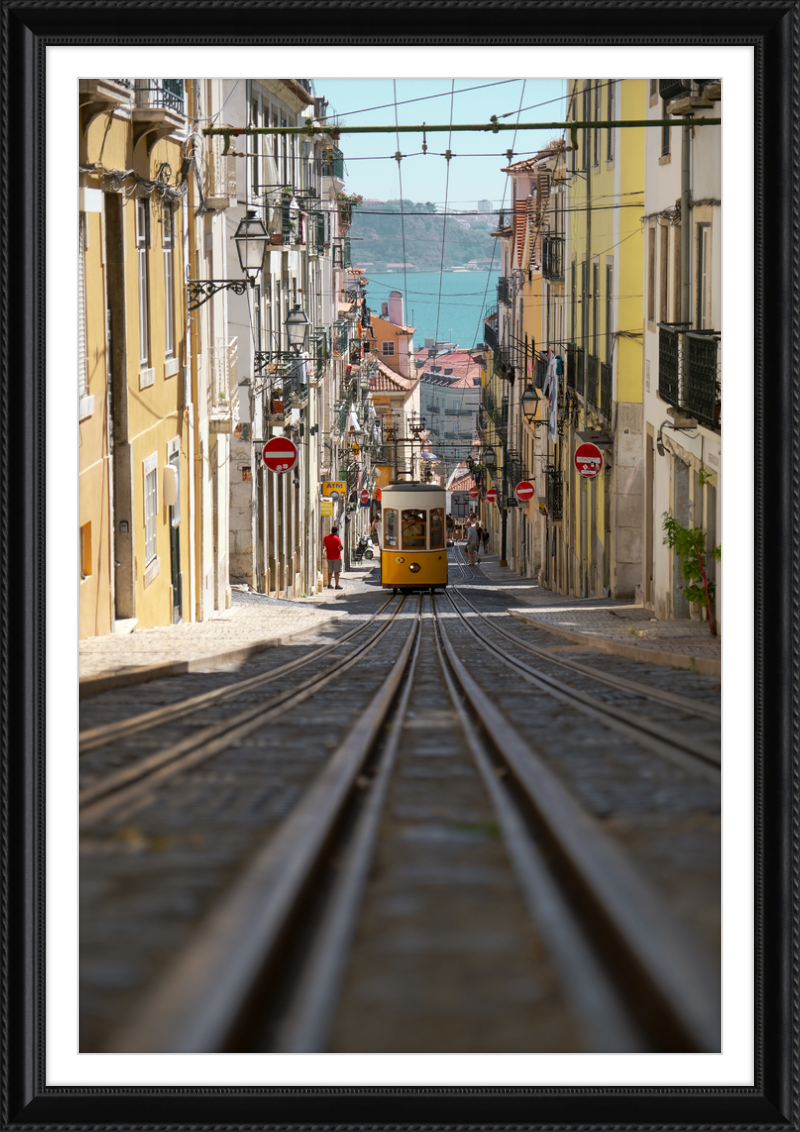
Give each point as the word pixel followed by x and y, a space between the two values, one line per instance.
pixel 378 239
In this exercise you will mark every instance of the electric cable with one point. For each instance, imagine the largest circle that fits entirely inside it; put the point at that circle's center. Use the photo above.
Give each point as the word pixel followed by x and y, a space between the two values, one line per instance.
pixel 444 225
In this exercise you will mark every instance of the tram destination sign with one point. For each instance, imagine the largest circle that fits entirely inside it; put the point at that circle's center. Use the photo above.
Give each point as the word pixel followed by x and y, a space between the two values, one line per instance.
pixel 588 460
pixel 280 454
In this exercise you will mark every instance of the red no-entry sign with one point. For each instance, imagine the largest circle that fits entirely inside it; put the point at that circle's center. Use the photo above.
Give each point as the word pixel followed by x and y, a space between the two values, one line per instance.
pixel 588 460
pixel 474 493
pixel 364 497
pixel 524 490
pixel 491 495
pixel 280 454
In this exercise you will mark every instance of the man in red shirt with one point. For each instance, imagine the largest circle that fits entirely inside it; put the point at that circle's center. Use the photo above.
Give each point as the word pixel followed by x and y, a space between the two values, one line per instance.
pixel 333 553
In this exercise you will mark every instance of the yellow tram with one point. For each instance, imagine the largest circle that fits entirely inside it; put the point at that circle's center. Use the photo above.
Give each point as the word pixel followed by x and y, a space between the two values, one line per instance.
pixel 413 536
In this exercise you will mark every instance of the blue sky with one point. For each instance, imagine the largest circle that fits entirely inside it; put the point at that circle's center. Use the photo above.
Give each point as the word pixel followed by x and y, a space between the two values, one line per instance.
pixel 370 167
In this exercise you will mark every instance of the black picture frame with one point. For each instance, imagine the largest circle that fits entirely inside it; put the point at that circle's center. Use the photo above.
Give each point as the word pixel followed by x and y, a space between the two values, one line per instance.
pixel 773 29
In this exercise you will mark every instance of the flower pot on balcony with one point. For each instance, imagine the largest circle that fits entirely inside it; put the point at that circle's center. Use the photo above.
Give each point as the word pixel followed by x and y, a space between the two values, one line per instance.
pixel 276 238
pixel 277 406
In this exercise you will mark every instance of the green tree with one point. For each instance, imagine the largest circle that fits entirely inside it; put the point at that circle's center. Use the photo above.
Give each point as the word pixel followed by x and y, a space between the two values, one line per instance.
pixel 690 546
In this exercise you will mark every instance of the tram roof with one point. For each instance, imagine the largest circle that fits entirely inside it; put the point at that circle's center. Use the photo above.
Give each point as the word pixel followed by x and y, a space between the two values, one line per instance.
pixel 410 485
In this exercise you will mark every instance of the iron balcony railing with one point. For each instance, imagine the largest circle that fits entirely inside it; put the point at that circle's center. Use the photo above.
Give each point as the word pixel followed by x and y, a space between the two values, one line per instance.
pixel 554 493
pixel 539 372
pixel 503 295
pixel 592 375
pixel 553 257
pixel 490 332
pixel 333 162
pixel 572 366
pixel 689 371
pixel 605 390
pixel 579 370
pixel 127 83
pixel 166 94
pixel 701 385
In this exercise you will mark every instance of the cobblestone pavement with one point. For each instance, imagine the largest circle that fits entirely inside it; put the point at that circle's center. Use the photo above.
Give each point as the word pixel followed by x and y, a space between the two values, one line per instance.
pixel 615 626
pixel 252 620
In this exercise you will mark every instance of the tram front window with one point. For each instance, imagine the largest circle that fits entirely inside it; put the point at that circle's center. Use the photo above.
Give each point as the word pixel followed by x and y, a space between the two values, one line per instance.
pixel 413 530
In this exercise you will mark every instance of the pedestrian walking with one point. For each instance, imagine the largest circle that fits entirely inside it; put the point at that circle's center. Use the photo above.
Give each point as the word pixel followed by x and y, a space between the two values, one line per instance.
pixel 485 541
pixel 478 537
pixel 472 543
pixel 333 554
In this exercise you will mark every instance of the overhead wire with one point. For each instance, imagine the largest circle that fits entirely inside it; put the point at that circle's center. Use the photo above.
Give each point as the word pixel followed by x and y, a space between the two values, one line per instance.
pixel 444 225
pixel 400 179
pixel 421 98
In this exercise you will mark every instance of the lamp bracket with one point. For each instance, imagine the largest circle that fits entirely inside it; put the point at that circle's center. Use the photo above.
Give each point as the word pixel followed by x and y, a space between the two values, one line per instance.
pixel 201 290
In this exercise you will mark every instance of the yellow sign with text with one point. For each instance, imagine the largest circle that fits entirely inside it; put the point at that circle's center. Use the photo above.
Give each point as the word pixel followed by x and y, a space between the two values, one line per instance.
pixel 326 507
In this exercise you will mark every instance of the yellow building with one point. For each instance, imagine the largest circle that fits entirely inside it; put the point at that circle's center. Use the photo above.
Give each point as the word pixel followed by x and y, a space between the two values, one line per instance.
pixel 133 436
pixel 601 534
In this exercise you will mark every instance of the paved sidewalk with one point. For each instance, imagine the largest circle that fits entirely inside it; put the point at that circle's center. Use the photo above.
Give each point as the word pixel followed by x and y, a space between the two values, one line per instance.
pixel 610 626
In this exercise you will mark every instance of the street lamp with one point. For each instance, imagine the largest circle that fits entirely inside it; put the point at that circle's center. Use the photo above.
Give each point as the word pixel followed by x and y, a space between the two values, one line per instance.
pixel 252 240
pixel 489 457
pixel 297 324
pixel 251 243
pixel 529 403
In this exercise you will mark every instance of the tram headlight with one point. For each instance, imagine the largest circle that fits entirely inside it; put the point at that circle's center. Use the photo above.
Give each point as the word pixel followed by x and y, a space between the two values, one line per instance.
pixel 415 567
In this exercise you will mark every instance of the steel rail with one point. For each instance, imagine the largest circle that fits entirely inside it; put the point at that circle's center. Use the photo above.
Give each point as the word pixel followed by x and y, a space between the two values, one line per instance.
pixel 307 1025
pixel 667 698
pixel 203 998
pixel 95 737
pixel 682 750
pixel 586 986
pixel 675 990
pixel 130 783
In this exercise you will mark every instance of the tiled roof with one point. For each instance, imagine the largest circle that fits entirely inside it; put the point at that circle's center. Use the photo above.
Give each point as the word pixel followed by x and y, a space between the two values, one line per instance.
pixel 387 380
pixel 528 163
pixel 503 233
pixel 466 483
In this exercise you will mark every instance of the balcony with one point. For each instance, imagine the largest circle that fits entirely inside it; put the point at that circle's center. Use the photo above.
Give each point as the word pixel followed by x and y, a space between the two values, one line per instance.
pixel 539 372
pixel 97 95
pixel 158 109
pixel 223 401
pixel 701 386
pixel 605 390
pixel 592 376
pixel 553 258
pixel 554 493
pixel 333 162
pixel 220 186
pixel 503 294
pixel 689 371
pixel 490 338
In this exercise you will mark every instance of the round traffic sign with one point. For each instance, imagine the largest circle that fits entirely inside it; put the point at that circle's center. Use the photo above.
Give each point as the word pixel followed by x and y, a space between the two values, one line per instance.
pixel 280 454
pixel 588 460
pixel 474 493
pixel 524 490
pixel 491 495
pixel 364 497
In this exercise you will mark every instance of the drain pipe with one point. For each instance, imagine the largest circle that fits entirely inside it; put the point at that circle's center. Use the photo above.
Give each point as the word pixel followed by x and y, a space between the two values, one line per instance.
pixel 188 227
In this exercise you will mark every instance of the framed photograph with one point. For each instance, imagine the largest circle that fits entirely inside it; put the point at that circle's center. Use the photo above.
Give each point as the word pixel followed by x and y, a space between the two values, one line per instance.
pixel 749 1077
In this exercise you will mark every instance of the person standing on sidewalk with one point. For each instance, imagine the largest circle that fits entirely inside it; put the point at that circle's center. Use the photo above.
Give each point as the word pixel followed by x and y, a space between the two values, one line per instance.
pixel 333 554
pixel 472 543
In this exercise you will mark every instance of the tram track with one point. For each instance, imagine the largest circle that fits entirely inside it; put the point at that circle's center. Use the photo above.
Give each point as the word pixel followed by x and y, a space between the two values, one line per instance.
pixel 629 973
pixel 114 791
pixel 683 749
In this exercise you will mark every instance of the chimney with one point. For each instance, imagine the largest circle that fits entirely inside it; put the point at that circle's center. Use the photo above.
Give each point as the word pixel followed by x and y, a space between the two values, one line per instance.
pixel 396 307
pixel 384 310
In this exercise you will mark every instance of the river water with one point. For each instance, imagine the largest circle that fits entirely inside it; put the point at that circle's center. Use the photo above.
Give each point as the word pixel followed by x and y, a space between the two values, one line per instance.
pixel 459 312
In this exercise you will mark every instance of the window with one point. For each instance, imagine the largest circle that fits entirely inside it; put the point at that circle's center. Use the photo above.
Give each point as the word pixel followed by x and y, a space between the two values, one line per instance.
pixel 653 87
pixel 663 272
pixel 595 306
pixel 168 239
pixel 609 318
pixel 612 114
pixel 437 528
pixel 677 298
pixel 142 244
pixel 150 468
pixel 597 119
pixel 86 550
pixel 651 274
pixel 704 277
pixel 284 148
pixel 573 300
pixel 664 130
pixel 389 527
pixel 414 523
pixel 387 349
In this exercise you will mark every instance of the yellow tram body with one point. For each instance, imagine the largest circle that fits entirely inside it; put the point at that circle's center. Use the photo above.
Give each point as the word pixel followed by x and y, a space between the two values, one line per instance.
pixel 413 536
